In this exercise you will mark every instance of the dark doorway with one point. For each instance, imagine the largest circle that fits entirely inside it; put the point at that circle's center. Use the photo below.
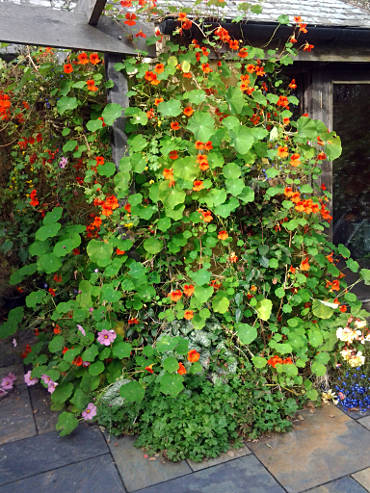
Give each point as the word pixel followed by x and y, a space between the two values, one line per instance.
pixel 351 172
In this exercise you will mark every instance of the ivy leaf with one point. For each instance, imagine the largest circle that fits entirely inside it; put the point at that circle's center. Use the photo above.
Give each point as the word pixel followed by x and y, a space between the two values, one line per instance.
pixel 318 369
pixel 53 216
pixel 111 112
pixel 343 251
pixel 264 308
pixel 322 309
pixel 107 169
pixel 171 364
pixel 152 245
pixel 96 368
pixel 259 362
pixel 100 252
pixel 48 231
pixel 220 303
pixel 56 344
pixel 62 392
pixel 247 333
pixel 171 384
pixel 121 349
pixel 132 392
pixel 90 353
pixel 170 108
pixel 365 276
pixel 49 263
pixel 200 277
pixel 66 423
pixel 94 125
pixel 202 125
pixel 66 103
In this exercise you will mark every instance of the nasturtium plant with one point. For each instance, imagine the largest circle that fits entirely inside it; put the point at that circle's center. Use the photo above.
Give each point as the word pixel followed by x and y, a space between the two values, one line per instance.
pixel 195 266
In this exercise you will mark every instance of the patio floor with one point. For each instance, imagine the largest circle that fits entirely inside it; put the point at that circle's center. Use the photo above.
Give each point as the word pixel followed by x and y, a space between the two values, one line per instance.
pixel 327 451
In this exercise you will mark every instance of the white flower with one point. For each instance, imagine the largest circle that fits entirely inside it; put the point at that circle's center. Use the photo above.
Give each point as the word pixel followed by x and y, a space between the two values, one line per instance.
pixel 329 396
pixel 346 334
pixel 360 324
pixel 357 360
pixel 346 354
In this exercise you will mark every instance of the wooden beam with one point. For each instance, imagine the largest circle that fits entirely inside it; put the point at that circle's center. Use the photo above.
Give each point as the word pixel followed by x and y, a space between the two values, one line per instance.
pixel 117 94
pixel 42 26
pixel 91 9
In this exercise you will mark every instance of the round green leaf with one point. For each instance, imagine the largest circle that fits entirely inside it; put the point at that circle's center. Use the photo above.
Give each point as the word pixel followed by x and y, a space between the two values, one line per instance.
pixel 153 246
pixel 132 392
pixel 247 333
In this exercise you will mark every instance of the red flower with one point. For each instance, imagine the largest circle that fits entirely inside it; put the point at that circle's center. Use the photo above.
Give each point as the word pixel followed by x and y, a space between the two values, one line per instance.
pixel 182 369
pixel 188 111
pixel 127 208
pixel 188 290
pixel 343 308
pixel 57 278
pixel 120 252
pixel 193 356
pixel 94 58
pixel 175 295
pixel 189 314
pixel 173 155
pixel 77 361
pixel 159 68
pixel 175 125
pixel 68 69
pixel 140 34
pixel 51 291
pixel 83 59
pixel 133 321
pixel 197 185
pixel 57 329
pixel 130 19
pixel 149 368
pixel 222 235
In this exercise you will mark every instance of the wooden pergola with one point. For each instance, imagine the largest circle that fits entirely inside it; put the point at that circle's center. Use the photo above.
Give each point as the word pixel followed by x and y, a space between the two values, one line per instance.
pixel 82 29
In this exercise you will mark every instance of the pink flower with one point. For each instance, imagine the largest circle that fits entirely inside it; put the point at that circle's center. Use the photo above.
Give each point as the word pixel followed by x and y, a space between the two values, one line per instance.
pixel 29 380
pixel 8 381
pixel 52 386
pixel 14 342
pixel 46 379
pixel 106 337
pixel 81 329
pixel 90 412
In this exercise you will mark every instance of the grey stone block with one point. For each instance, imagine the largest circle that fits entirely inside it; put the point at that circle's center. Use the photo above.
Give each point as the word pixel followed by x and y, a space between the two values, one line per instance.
pixel 137 471
pixel 230 455
pixel 243 475
pixel 343 485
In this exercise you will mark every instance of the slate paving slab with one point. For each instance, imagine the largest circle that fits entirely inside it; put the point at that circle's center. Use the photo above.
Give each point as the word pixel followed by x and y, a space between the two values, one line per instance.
pixel 356 414
pixel 137 471
pixel 243 475
pixel 8 355
pixel 343 485
pixel 18 371
pixel 94 475
pixel 365 422
pixel 45 418
pixel 325 446
pixel 230 455
pixel 16 419
pixel 45 452
pixel 363 477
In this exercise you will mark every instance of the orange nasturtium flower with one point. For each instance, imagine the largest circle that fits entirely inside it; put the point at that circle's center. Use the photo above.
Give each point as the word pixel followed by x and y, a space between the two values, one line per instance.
pixel 120 252
pixel 173 155
pixel 233 258
pixel 158 100
pixel 182 369
pixel 68 69
pixel 199 145
pixel 149 368
pixel 198 185
pixel 175 125
pixel 168 173
pixel 159 68
pixel 175 295
pixel 222 235
pixel 343 308
pixel 94 58
pixel 188 111
pixel 189 314
pixel 82 58
pixel 305 264
pixel 188 290
pixel 206 215
pixel 91 85
pixel 182 17
pixel 130 19
pixel 283 151
pixel 193 356
pixel 294 160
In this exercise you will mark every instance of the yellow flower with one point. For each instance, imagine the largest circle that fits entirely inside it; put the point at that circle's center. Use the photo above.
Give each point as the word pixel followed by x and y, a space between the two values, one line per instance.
pixel 128 225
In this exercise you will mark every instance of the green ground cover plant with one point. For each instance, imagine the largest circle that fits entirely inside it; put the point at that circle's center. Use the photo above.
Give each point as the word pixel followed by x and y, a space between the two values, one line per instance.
pixel 190 294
